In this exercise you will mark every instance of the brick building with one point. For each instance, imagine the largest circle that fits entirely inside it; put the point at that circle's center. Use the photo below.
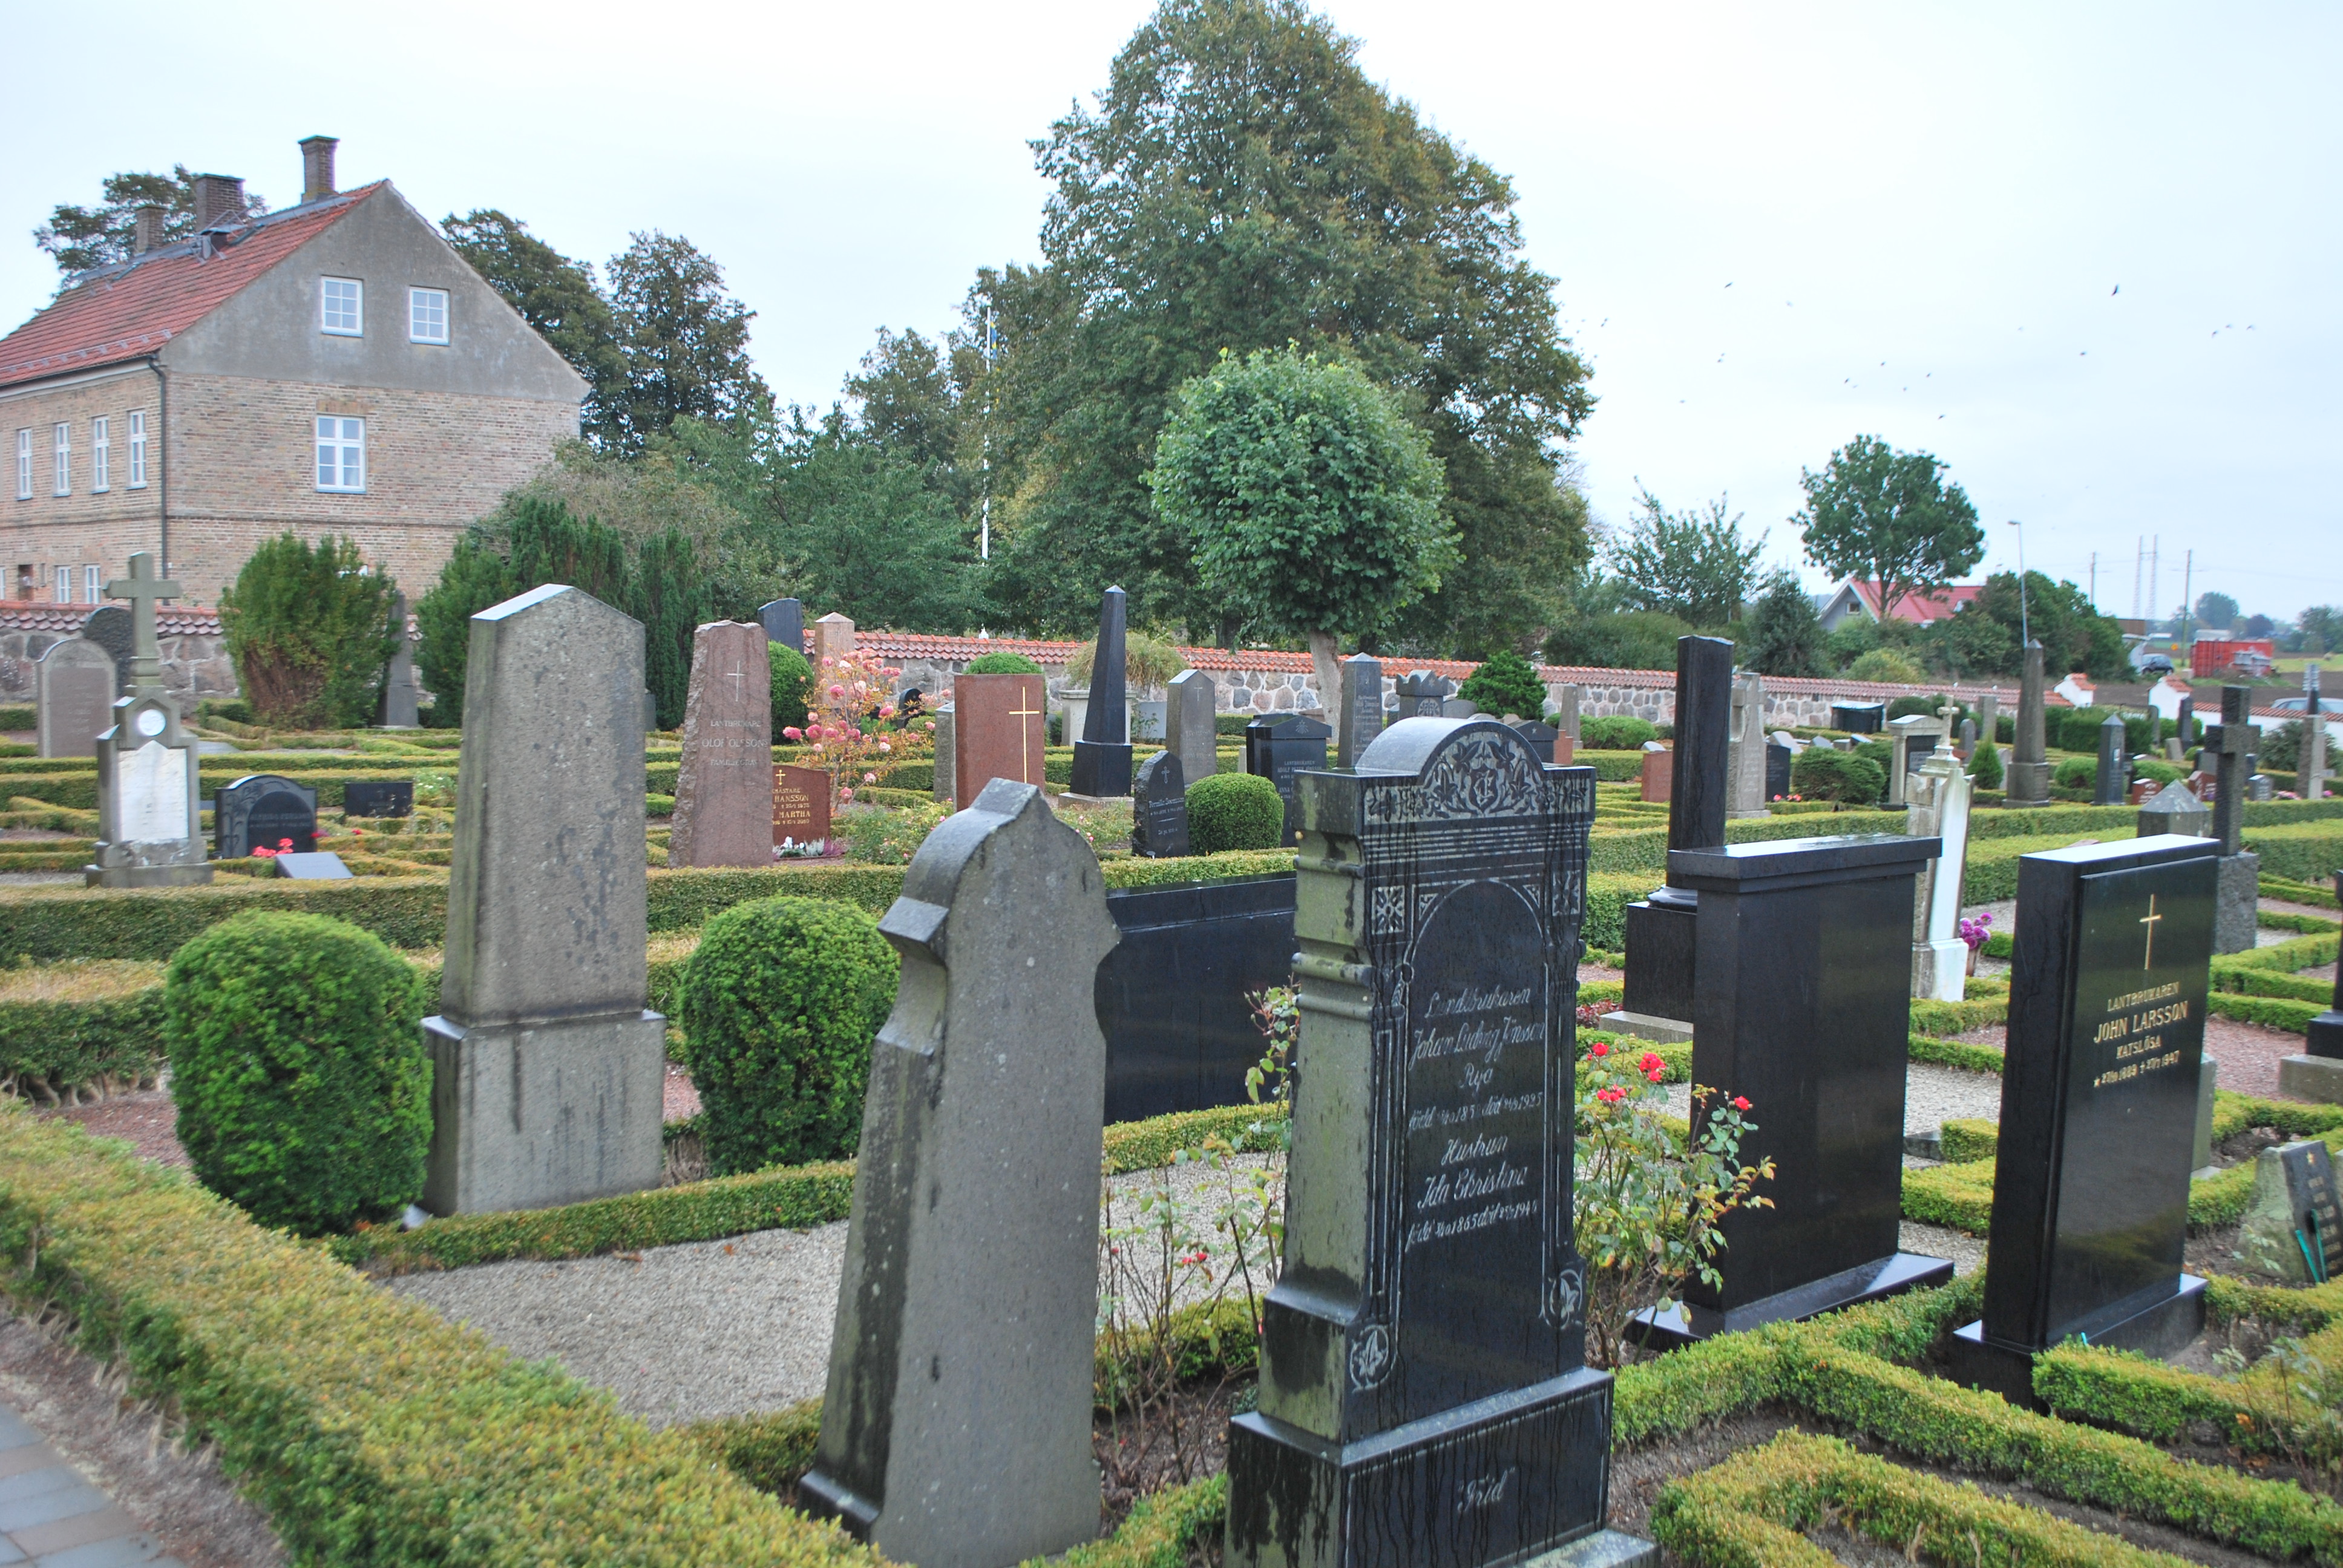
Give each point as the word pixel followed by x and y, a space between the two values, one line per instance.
pixel 335 368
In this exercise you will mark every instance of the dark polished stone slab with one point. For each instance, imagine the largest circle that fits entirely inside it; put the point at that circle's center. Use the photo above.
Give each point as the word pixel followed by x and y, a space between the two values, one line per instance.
pixel 1282 746
pixel 378 798
pixel 1689 1325
pixel 1777 770
pixel 2157 1322
pixel 1701 792
pixel 1102 753
pixel 784 622
pixel 264 811
pixel 1158 808
pixel 1180 1033
pixel 1661 952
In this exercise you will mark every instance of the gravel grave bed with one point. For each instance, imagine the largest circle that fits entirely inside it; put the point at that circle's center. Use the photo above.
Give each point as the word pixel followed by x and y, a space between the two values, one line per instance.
pixel 1932 1095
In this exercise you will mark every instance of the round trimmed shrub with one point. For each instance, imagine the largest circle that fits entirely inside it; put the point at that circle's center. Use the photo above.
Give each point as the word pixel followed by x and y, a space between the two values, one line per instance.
pixel 1615 732
pixel 780 1003
pixel 1820 775
pixel 1003 664
pixel 1234 811
pixel 2157 772
pixel 2077 772
pixel 792 680
pixel 1506 684
pixel 1885 664
pixel 297 1066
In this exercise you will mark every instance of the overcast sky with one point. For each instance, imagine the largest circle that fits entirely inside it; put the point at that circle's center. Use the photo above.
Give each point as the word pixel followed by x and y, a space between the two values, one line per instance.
pixel 2085 255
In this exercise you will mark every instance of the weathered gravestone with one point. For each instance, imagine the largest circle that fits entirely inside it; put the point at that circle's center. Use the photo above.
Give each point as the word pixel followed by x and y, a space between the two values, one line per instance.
pixel 1805 1008
pixel 1421 693
pixel 1909 740
pixel 800 806
pixel 115 629
pixel 1423 1394
pixel 1278 748
pixel 149 806
pixel 1657 780
pixel 1964 740
pixel 1158 808
pixel 2107 784
pixel 956 1429
pixel 1103 755
pixel 548 1074
pixel 74 685
pixel 1940 810
pixel 2098 1109
pixel 947 720
pixel 1566 719
pixel 1778 757
pixel 1000 724
pixel 1359 716
pixel 2293 1228
pixel 784 622
pixel 2029 778
pixel 724 783
pixel 2238 916
pixel 1188 724
pixel 401 708
pixel 378 798
pixel 1459 707
pixel 264 811
pixel 2174 808
pixel 1661 954
pixel 1745 764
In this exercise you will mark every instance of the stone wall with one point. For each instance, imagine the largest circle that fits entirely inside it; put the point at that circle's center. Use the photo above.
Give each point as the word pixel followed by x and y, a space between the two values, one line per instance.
pixel 194 654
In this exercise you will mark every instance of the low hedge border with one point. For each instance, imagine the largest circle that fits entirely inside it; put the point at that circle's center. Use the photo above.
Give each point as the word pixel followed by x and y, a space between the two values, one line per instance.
pixel 2294 892
pixel 2269 1011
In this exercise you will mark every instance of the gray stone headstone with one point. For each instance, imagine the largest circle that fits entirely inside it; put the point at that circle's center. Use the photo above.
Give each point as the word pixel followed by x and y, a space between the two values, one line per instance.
pixel 724 786
pixel 956 1427
pixel 2028 782
pixel 1359 716
pixel 1187 726
pixel 148 787
pixel 947 718
pixel 1567 718
pixel 317 866
pixel 110 627
pixel 548 1073
pixel 264 811
pixel 1158 808
pixel 400 708
pixel 76 684
pixel 2175 808
pixel 784 622
pixel 1423 694
pixel 1745 765
pixel 2237 911
pixel 1459 707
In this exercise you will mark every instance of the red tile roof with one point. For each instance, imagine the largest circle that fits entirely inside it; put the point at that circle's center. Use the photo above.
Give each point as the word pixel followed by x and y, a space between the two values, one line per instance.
pixel 129 311
pixel 66 620
pixel 1919 608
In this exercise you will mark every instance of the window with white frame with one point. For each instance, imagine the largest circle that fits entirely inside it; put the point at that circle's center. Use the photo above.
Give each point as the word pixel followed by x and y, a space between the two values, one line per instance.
pixel 341 453
pixel 24 465
pixel 63 480
pixel 426 316
pixel 101 453
pixel 341 306
pixel 65 584
pixel 138 453
pixel 89 585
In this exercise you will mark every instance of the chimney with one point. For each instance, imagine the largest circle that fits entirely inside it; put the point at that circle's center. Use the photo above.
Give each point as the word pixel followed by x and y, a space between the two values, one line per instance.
pixel 219 198
pixel 317 167
pixel 149 233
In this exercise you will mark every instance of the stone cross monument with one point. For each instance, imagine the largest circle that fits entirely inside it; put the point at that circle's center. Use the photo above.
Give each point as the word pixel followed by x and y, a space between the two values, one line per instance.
pixel 1939 810
pixel 2029 768
pixel 149 791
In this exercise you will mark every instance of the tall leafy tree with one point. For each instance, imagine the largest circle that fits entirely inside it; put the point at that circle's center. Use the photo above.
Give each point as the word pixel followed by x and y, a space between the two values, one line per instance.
pixel 684 338
pixel 80 237
pixel 1887 516
pixel 554 294
pixel 909 405
pixel 2073 634
pixel 527 543
pixel 1691 564
pixel 872 538
pixel 1783 635
pixel 2217 610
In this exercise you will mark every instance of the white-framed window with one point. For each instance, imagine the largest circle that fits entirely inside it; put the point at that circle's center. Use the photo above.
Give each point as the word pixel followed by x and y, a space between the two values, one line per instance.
pixel 101 453
pixel 65 584
pixel 90 579
pixel 341 306
pixel 62 484
pixel 137 454
pixel 426 316
pixel 341 453
pixel 24 465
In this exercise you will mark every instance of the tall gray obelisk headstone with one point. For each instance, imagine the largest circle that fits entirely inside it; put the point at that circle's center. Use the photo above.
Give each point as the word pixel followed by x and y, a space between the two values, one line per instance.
pixel 724 784
pixel 955 1431
pixel 149 791
pixel 74 683
pixel 1358 718
pixel 2237 911
pixel 547 1075
pixel 2107 783
pixel 2029 769
pixel 1188 724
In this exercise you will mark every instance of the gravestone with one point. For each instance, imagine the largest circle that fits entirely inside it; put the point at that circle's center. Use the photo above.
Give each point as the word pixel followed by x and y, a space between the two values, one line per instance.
pixel 1423 1394
pixel 1909 740
pixel 2107 785
pixel 2318 1073
pixel 548 1074
pixel 2312 763
pixel 264 811
pixel 401 707
pixel 1542 740
pixel 115 629
pixel 784 622
pixel 939 786
pixel 1745 765
pixel 800 806
pixel 1459 707
pixel 1661 952
pixel 2232 742
pixel 1359 716
pixel 149 805
pixel 2098 1109
pixel 1159 809
pixel 1859 718
pixel 2175 808
pixel 1173 997
pixel 724 783
pixel 1421 693
pixel 1187 726
pixel 833 639
pixel 1566 718
pixel 998 732
pixel 2326 1028
pixel 314 866
pixel 1103 755
pixel 952 1437
pixel 1281 746
pixel 1988 717
pixel 2027 780
pixel 1657 780
pixel 378 798
pixel 1804 1008
pixel 2293 1228
pixel 1940 810
pixel 2261 787
pixel 1778 759
pixel 1073 707
pixel 2185 723
pixel 75 686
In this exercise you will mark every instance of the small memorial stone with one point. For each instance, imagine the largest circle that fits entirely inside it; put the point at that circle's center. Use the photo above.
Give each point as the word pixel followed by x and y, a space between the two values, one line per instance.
pixel 1281 746
pixel 723 786
pixel 800 806
pixel 264 811
pixel 1188 724
pixel 1745 764
pixel 1422 694
pixel 2175 808
pixel 74 683
pixel 1778 759
pixel 1159 809
pixel 1459 707
pixel 378 798
pixel 1358 718
pixel 318 866
pixel 2109 783
pixel 1002 723
pixel 1542 738
pixel 1658 776
pixel 148 800
pixel 784 622
pixel 2293 1228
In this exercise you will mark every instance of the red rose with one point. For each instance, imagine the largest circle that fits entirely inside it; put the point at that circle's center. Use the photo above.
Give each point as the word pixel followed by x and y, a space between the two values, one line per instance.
pixel 1650 1061
pixel 1657 1074
pixel 1739 1103
pixel 1600 1048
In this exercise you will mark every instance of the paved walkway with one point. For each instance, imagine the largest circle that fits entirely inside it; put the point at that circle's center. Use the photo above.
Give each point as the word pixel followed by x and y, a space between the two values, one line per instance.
pixel 51 1516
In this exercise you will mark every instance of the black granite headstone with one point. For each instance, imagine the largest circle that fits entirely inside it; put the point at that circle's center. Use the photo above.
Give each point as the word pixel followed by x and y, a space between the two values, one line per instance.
pixel 2108 786
pixel 110 627
pixel 261 811
pixel 2184 725
pixel 1421 693
pixel 1103 754
pixel 1541 736
pixel 1424 1395
pixel 1173 998
pixel 1859 717
pixel 1158 808
pixel 1778 759
pixel 378 798
pixel 2326 1028
pixel 784 622
pixel 1280 746
pixel 2098 1107
pixel 1659 930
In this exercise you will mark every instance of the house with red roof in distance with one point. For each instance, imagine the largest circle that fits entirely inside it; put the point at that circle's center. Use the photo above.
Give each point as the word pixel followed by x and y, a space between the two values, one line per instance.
pixel 332 368
pixel 1858 597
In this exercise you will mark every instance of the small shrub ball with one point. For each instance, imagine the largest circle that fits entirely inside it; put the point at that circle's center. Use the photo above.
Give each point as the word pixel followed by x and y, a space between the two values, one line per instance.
pixel 297 1066
pixel 1234 811
pixel 780 1003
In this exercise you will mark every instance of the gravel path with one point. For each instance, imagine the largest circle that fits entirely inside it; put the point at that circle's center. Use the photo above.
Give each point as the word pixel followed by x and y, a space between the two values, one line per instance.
pixel 1932 1095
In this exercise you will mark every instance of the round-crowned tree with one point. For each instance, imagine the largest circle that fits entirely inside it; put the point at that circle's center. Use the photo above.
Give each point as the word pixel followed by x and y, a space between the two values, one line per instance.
pixel 781 1002
pixel 1234 811
pixel 1506 684
pixel 297 1067
pixel 1313 504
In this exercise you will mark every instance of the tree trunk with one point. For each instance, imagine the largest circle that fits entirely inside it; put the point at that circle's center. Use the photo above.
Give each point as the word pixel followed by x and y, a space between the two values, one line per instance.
pixel 1325 657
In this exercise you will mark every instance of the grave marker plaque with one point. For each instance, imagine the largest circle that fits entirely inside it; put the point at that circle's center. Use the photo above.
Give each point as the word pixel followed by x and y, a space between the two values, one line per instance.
pixel 2098 1109
pixel 75 682
pixel 261 811
pixel 378 798
pixel 1358 718
pixel 1000 724
pixel 313 867
pixel 800 805
pixel 1159 809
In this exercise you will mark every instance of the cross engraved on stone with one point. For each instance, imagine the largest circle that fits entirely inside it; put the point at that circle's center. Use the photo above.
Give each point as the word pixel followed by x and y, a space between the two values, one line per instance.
pixel 142 587
pixel 2148 919
pixel 1021 715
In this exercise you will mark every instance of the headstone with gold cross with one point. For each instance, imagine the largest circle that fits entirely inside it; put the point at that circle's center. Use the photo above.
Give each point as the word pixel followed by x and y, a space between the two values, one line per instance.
pixel 2233 742
pixel 149 792
pixel 999 724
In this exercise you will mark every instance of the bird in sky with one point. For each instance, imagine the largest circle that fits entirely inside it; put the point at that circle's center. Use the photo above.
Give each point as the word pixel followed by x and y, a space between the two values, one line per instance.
pixel 2116 290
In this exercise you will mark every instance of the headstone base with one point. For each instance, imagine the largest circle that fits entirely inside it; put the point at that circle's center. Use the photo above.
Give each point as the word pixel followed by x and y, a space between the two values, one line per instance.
pixel 1603 1549
pixel 2029 784
pixel 1087 802
pixel 526 1116
pixel 2237 903
pixel 2314 1078
pixel 1687 1324
pixel 2326 1034
pixel 1422 1491
pixel 1940 969
pixel 190 876
pixel 1648 1026
pixel 1659 932
pixel 2157 1329
pixel 1102 767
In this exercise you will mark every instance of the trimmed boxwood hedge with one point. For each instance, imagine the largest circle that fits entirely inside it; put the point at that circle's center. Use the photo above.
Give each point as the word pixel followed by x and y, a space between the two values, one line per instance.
pixel 1234 811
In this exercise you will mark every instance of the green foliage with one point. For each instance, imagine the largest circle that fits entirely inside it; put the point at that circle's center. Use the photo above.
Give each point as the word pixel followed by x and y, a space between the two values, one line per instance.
pixel 297 1067
pixel 1234 811
pixel 1985 765
pixel 685 341
pixel 1630 640
pixel 310 631
pixel 1781 635
pixel 556 295
pixel 1002 664
pixel 782 1000
pixel 2077 772
pixel 1885 664
pixel 1888 517
pixel 1147 661
pixel 80 237
pixel 792 679
pixel 2217 611
pixel 1506 684
pixel 1820 775
pixel 870 536
pixel 670 594
pixel 1691 565
pixel 1615 732
pixel 2073 635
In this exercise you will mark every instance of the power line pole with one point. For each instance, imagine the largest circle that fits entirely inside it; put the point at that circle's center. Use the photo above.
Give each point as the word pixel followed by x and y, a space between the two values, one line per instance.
pixel 2138 565
pixel 984 506
pixel 2095 579
pixel 2189 597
